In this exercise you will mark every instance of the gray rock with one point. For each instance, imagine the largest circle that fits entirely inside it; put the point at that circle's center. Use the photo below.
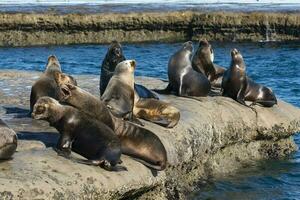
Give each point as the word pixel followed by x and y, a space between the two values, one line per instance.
pixel 215 136
pixel 8 141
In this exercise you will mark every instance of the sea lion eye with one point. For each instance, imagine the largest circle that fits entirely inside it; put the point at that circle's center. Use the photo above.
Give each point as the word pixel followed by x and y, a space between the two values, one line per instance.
pixel 40 109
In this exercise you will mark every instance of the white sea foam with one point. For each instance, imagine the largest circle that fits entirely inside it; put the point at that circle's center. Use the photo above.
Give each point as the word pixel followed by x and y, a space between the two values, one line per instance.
pixel 68 2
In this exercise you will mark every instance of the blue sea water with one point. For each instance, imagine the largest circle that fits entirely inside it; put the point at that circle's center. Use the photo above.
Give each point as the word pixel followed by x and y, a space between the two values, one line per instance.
pixel 276 65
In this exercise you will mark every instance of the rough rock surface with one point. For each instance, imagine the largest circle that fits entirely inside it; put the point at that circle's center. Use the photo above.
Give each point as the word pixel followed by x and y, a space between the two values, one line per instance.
pixel 22 29
pixel 215 136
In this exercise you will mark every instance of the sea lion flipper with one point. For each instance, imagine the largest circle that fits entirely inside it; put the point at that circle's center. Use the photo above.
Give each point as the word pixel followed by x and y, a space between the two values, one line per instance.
pixel 167 90
pixel 144 92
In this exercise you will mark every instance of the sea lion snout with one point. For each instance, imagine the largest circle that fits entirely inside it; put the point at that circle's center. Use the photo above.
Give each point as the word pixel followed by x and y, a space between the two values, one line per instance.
pixel 234 52
pixel 203 42
pixel 188 46
pixel 52 60
pixel 133 64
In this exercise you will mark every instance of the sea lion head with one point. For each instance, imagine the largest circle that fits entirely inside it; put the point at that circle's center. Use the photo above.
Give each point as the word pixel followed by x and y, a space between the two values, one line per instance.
pixel 53 63
pixel 61 79
pixel 65 91
pixel 188 46
pixel 125 67
pixel 114 55
pixel 237 59
pixel 46 108
pixel 205 51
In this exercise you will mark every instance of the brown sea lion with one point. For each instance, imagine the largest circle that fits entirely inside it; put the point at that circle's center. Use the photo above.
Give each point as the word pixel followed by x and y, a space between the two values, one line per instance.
pixel 112 58
pixel 239 87
pixel 122 99
pixel 8 141
pixel 80 133
pixel 183 79
pixel 46 84
pixel 202 62
pixel 140 143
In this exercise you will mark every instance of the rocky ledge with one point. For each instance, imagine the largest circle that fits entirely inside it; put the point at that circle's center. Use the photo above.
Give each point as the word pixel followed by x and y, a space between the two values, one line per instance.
pixel 22 29
pixel 214 137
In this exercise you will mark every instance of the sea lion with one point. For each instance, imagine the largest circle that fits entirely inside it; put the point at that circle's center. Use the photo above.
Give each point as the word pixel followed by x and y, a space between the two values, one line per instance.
pixel 140 143
pixel 46 84
pixel 119 93
pixel 112 58
pixel 84 135
pixel 123 101
pixel 8 141
pixel 202 62
pixel 183 79
pixel 239 87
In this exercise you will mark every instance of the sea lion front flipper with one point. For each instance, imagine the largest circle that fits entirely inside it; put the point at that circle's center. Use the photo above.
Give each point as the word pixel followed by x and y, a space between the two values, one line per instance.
pixel 117 105
pixel 144 92
pixel 241 94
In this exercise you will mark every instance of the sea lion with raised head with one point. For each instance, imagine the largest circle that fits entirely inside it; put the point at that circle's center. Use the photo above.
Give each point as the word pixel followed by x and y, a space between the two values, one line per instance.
pixel 112 58
pixel 183 79
pixel 140 143
pixel 122 100
pixel 46 84
pixel 202 62
pixel 80 133
pixel 239 87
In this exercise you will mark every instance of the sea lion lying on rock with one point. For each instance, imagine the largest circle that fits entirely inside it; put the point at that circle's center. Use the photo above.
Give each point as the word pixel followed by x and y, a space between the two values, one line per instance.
pixel 84 135
pixel 46 84
pixel 238 86
pixel 140 143
pixel 123 101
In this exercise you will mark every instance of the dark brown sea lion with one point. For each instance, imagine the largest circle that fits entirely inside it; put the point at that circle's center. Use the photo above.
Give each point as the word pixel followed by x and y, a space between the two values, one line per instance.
pixel 80 133
pixel 8 141
pixel 183 79
pixel 112 58
pixel 140 143
pixel 239 87
pixel 123 101
pixel 202 62
pixel 46 85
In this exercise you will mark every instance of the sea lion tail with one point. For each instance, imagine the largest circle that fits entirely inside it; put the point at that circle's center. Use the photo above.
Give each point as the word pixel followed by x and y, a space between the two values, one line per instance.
pixel 147 164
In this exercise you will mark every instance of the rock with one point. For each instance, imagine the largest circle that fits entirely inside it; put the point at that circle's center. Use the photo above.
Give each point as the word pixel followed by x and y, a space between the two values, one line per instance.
pixel 20 29
pixel 215 136
pixel 25 145
pixel 8 141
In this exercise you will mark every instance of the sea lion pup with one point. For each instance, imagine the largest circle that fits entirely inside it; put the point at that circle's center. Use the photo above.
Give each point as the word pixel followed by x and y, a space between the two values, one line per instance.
pixel 87 137
pixel 123 101
pixel 140 143
pixel 46 85
pixel 239 87
pixel 112 58
pixel 8 141
pixel 202 62
pixel 183 79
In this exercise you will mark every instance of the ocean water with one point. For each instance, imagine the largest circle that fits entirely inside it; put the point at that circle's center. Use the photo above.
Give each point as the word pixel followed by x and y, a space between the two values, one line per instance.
pixel 276 65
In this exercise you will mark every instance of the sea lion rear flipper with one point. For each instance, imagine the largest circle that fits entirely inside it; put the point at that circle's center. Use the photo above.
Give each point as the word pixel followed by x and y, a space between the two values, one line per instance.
pixel 147 164
pixel 144 92
pixel 264 103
